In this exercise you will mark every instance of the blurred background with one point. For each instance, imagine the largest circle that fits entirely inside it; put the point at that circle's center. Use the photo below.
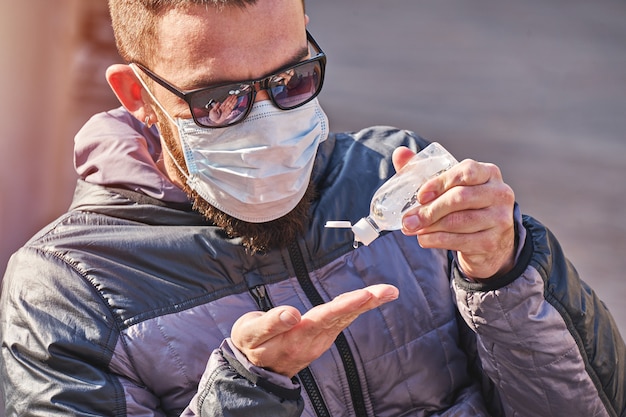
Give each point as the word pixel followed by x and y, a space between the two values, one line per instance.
pixel 535 86
pixel 53 55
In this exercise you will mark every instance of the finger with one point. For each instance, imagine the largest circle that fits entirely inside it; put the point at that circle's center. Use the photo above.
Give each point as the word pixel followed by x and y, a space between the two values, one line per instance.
pixel 472 186
pixel 466 173
pixel 230 102
pixel 255 328
pixel 466 210
pixel 401 156
pixel 342 310
pixel 470 222
pixel 288 352
pixel 472 242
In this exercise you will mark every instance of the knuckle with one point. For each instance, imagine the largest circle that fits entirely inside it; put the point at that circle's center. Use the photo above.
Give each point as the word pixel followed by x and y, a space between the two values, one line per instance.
pixel 494 170
pixel 505 194
pixel 468 172
pixel 461 196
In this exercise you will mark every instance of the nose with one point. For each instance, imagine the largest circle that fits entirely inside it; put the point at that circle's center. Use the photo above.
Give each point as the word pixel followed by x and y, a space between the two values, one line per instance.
pixel 261 94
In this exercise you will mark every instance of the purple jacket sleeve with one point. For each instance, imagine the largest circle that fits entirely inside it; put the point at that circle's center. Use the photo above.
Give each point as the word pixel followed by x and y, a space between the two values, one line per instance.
pixel 545 340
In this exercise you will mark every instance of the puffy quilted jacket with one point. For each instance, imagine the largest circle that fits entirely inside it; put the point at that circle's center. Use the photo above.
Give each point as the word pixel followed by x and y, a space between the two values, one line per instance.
pixel 123 307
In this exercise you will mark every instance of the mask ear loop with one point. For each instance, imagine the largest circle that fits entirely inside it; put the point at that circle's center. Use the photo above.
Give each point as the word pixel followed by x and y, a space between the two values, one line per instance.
pixel 158 103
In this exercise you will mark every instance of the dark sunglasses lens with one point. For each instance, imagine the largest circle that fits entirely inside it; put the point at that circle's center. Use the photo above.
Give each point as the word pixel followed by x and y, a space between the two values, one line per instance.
pixel 221 106
pixel 297 85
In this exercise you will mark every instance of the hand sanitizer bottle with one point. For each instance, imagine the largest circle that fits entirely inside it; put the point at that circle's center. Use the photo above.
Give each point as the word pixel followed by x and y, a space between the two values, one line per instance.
pixel 399 194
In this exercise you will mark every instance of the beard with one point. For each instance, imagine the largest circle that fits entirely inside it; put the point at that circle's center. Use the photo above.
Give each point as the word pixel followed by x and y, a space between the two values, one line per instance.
pixel 255 237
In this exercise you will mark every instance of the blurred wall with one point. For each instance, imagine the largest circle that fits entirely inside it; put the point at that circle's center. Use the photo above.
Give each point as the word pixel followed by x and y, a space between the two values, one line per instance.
pixel 53 56
pixel 52 60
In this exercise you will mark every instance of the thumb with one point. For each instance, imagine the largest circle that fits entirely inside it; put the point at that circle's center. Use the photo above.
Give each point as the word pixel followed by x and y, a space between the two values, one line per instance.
pixel 401 156
pixel 255 328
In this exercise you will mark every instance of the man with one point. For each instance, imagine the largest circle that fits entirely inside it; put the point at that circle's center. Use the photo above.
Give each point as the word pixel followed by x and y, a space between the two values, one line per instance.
pixel 133 303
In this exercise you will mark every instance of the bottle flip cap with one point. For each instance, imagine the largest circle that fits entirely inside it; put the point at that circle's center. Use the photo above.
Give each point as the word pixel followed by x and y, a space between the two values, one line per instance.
pixel 363 230
pixel 338 224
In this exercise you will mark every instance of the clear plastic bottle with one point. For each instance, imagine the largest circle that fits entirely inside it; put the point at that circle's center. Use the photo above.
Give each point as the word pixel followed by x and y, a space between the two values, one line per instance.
pixel 399 193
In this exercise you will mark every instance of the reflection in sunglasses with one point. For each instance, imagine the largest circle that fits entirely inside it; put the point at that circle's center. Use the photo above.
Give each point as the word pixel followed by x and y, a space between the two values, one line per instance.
pixel 225 105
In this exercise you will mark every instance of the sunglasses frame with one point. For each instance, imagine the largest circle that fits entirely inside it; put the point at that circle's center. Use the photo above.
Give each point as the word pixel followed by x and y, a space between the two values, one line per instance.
pixel 263 83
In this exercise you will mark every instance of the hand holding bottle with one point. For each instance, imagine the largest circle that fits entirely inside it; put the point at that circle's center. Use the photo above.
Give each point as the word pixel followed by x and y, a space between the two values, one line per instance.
pixel 468 209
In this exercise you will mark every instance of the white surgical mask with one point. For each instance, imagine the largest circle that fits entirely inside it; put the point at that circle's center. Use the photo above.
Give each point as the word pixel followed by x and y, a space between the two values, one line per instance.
pixel 259 169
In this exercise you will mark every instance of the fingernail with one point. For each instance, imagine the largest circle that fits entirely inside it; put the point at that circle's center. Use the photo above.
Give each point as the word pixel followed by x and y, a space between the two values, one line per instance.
pixel 389 295
pixel 411 223
pixel 288 318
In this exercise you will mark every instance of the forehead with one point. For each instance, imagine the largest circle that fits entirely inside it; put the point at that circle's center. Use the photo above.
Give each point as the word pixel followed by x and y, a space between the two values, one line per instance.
pixel 200 45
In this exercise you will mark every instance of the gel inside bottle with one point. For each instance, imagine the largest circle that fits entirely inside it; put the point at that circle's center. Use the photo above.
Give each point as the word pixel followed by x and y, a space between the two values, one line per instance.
pixel 399 193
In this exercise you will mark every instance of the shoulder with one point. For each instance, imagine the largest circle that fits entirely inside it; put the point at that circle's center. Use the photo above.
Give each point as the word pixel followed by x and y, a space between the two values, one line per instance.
pixel 382 140
pixel 362 157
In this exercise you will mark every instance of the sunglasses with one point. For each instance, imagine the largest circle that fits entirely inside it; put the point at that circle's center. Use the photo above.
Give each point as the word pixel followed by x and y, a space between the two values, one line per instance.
pixel 228 104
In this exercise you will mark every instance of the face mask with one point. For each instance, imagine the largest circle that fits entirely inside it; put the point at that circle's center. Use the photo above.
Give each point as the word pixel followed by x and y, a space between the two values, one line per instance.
pixel 259 169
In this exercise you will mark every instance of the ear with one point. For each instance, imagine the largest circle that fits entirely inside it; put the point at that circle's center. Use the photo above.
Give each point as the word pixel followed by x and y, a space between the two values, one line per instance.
pixel 128 90
pixel 306 20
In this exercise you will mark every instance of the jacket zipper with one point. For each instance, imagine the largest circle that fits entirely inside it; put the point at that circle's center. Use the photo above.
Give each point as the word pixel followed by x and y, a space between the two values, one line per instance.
pixel 260 296
pixel 259 293
pixel 354 383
